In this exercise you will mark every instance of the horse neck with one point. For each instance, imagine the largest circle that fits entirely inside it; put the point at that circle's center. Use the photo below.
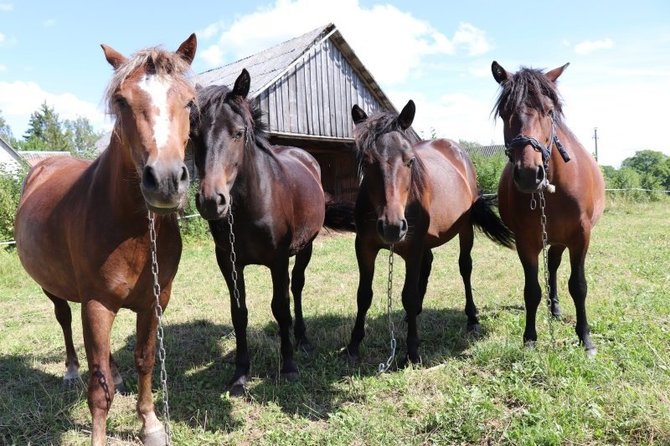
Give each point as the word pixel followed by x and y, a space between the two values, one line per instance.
pixel 252 178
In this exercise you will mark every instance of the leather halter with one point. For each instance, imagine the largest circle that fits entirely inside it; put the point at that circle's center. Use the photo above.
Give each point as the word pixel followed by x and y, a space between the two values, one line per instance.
pixel 522 140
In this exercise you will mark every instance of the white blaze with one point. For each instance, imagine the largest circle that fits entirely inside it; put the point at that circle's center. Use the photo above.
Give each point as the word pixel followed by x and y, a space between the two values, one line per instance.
pixel 157 89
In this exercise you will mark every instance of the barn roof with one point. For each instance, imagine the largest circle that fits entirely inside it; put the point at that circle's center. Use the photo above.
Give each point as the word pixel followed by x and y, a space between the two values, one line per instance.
pixel 269 65
pixel 32 157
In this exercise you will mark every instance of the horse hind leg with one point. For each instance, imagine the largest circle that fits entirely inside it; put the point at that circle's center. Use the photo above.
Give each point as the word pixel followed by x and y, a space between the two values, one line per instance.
pixel 281 310
pixel 64 318
pixel 553 262
pixel 297 284
pixel 578 290
pixel 466 241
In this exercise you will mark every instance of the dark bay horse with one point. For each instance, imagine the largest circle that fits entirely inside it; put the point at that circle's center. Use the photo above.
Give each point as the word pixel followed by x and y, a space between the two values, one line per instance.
pixel 416 198
pixel 567 182
pixel 82 227
pixel 275 197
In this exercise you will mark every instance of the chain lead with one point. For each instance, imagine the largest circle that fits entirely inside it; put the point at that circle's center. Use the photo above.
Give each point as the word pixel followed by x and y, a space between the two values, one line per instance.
pixel 384 366
pixel 233 256
pixel 545 263
pixel 159 329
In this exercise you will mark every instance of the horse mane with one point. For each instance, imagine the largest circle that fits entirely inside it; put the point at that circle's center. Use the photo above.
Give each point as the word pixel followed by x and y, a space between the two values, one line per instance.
pixel 366 135
pixel 527 87
pixel 212 97
pixel 157 60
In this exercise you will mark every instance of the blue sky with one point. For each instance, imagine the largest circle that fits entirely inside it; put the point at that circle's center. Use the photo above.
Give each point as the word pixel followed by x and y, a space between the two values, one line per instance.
pixel 440 56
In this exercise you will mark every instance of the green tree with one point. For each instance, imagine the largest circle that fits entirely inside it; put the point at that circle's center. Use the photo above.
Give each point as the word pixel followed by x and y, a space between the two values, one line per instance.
pixel 5 130
pixel 82 137
pixel 45 131
pixel 653 167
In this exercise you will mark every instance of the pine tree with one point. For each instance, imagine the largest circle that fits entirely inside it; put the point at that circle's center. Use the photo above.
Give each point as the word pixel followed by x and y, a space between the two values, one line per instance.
pixel 45 131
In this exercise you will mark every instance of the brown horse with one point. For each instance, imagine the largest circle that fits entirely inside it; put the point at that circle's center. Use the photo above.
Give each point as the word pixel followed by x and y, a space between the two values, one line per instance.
pixel 567 182
pixel 82 227
pixel 275 197
pixel 414 198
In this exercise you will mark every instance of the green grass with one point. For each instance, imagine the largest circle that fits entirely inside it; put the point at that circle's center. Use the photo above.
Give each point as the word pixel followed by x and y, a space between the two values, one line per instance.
pixel 488 390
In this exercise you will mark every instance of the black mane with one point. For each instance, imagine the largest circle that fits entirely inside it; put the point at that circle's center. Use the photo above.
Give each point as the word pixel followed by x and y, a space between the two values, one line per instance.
pixel 527 87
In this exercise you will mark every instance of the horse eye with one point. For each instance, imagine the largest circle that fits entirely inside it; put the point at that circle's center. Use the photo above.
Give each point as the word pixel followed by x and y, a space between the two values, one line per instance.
pixel 410 162
pixel 121 102
pixel 239 135
pixel 190 104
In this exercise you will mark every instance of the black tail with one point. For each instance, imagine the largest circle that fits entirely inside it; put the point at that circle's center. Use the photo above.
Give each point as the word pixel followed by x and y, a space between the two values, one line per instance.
pixel 339 215
pixel 488 221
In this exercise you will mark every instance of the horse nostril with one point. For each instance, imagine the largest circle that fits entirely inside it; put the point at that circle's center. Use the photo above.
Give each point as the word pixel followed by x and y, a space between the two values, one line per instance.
pixel 517 176
pixel 540 174
pixel 149 178
pixel 380 226
pixel 221 200
pixel 403 225
pixel 184 174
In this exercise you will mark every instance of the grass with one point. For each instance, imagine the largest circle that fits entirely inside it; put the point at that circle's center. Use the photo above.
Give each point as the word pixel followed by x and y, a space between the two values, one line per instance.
pixel 488 390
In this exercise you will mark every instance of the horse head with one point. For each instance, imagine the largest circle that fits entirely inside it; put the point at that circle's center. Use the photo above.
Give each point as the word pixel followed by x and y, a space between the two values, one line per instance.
pixel 386 162
pixel 530 108
pixel 151 96
pixel 220 136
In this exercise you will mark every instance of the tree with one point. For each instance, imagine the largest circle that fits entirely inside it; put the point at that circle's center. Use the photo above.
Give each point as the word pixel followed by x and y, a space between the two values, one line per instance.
pixel 5 130
pixel 653 167
pixel 82 137
pixel 45 131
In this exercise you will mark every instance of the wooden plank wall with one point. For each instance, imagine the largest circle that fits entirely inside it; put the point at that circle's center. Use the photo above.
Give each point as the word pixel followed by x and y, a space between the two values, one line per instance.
pixel 314 98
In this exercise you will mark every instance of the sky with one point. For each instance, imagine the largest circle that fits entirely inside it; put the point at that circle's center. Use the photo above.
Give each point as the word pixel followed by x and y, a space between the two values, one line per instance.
pixel 618 80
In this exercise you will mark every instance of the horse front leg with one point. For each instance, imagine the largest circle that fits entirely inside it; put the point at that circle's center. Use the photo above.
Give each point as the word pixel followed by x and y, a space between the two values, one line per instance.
pixel 532 293
pixel 578 290
pixel 366 255
pixel 240 317
pixel 97 322
pixel 410 302
pixel 297 284
pixel 281 309
pixel 153 431
pixel 426 266
pixel 553 262
pixel 466 241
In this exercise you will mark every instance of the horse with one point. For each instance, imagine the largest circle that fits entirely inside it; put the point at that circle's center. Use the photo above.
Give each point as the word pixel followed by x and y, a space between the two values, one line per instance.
pixel 567 183
pixel 413 198
pixel 275 198
pixel 82 227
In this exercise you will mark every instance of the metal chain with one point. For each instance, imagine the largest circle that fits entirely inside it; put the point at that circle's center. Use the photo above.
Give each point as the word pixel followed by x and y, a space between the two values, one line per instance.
pixel 233 255
pixel 159 329
pixel 384 366
pixel 545 262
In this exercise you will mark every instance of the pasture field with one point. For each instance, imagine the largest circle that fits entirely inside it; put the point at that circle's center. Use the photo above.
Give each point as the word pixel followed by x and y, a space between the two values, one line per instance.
pixel 488 390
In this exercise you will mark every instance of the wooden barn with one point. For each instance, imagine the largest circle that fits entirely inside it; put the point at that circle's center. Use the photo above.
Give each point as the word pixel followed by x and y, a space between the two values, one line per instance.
pixel 306 87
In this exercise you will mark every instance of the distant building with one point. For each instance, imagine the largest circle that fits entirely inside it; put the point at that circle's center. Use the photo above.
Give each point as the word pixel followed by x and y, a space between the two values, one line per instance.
pixel 32 157
pixel 10 160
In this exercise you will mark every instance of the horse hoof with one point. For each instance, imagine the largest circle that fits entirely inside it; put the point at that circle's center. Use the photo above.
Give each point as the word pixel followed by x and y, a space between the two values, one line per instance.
pixel 304 346
pixel 291 376
pixel 353 359
pixel 530 345
pixel 591 352
pixel 155 438
pixel 71 383
pixel 474 330
pixel 239 387
pixel 121 389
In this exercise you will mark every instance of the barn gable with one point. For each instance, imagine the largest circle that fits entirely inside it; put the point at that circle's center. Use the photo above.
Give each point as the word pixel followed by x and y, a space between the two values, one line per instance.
pixel 306 88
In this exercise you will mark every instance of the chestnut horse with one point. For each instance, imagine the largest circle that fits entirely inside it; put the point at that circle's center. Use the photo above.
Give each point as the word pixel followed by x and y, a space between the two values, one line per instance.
pixel 82 227
pixel 414 198
pixel 567 183
pixel 274 196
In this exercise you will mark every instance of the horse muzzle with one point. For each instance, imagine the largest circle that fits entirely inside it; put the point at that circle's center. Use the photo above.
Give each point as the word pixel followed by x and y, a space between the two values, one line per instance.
pixel 529 179
pixel 212 206
pixel 165 187
pixel 392 232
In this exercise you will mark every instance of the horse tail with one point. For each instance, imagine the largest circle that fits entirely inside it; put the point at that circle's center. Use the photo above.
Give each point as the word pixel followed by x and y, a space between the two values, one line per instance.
pixel 339 215
pixel 484 217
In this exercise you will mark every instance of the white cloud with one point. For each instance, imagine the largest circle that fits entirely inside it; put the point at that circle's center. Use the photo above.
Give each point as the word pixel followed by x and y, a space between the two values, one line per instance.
pixel 391 42
pixel 589 46
pixel 3 39
pixel 18 100
pixel 49 23
pixel 6 7
pixel 3 68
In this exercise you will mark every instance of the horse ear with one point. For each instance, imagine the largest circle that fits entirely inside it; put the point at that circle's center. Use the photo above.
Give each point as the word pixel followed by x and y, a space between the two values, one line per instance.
pixel 187 49
pixel 242 84
pixel 500 74
pixel 114 58
pixel 357 114
pixel 552 75
pixel 407 115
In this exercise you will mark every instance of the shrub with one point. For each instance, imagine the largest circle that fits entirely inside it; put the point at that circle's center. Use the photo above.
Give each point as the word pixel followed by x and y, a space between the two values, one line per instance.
pixel 489 169
pixel 10 193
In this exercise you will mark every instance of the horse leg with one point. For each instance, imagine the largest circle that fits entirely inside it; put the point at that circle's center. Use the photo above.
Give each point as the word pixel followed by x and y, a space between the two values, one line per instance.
pixel 426 266
pixel 281 309
pixel 240 316
pixel 64 318
pixel 578 289
pixel 365 257
pixel 97 323
pixel 532 293
pixel 153 431
pixel 553 262
pixel 466 240
pixel 410 302
pixel 297 284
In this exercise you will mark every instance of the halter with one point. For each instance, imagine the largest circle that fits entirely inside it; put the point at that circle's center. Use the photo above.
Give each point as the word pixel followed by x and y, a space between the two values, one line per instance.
pixel 522 140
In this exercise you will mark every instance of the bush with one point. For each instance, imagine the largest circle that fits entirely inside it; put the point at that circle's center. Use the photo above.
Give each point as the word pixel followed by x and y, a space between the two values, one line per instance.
pixel 10 193
pixel 192 225
pixel 489 169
